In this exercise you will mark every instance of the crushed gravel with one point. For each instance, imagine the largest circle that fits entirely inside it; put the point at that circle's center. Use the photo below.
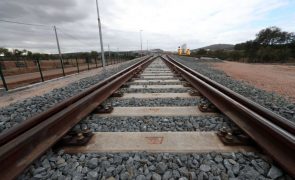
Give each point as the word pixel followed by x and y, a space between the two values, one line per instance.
pixel 155 166
pixel 155 83
pixel 272 101
pixel 154 123
pixel 137 102
pixel 17 112
pixel 162 78
pixel 166 90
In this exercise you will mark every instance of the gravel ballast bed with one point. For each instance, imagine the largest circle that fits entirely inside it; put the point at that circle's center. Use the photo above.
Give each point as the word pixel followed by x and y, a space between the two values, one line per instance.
pixel 272 101
pixel 153 78
pixel 154 166
pixel 167 90
pixel 137 102
pixel 20 111
pixel 154 124
pixel 154 83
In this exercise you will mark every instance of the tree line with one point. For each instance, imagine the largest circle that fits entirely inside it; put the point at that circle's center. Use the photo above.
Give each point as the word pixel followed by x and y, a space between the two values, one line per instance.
pixel 271 44
pixel 25 54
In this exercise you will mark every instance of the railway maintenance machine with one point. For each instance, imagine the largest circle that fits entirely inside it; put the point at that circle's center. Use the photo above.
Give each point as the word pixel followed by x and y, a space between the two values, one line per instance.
pixel 183 50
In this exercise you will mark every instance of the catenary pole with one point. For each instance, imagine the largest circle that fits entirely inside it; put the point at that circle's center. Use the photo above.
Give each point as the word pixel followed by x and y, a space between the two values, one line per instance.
pixel 59 52
pixel 100 35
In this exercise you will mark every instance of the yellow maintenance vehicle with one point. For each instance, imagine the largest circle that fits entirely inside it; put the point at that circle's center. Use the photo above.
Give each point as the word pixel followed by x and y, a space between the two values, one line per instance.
pixel 179 51
pixel 183 51
pixel 187 52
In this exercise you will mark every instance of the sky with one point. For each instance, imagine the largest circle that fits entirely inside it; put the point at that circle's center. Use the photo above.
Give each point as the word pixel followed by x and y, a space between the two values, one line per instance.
pixel 164 24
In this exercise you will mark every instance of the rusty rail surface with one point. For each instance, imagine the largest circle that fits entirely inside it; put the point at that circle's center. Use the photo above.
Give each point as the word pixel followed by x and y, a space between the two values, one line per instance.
pixel 21 145
pixel 270 131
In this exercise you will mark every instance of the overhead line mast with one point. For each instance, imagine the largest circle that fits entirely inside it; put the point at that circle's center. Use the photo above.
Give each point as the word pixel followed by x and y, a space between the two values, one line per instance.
pixel 100 35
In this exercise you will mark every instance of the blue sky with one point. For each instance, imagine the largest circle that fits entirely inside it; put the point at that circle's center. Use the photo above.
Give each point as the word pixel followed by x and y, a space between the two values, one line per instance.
pixel 283 17
pixel 165 24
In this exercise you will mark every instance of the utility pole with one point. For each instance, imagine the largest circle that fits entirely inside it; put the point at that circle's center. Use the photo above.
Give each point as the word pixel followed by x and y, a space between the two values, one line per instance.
pixel 147 46
pixel 59 52
pixel 100 36
pixel 141 42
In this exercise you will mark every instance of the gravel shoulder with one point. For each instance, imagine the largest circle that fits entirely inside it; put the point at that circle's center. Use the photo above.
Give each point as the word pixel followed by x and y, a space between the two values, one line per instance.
pixel 47 86
pixel 270 100
pixel 31 102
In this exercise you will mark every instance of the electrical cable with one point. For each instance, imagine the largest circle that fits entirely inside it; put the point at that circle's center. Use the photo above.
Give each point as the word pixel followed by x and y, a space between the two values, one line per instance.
pixel 44 25
pixel 28 24
pixel 73 37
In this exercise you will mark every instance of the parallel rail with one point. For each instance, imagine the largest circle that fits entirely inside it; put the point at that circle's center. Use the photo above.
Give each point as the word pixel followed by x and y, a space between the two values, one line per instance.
pixel 270 131
pixel 21 145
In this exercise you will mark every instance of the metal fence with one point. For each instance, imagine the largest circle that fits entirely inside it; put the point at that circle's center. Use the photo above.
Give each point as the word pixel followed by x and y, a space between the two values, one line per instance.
pixel 24 71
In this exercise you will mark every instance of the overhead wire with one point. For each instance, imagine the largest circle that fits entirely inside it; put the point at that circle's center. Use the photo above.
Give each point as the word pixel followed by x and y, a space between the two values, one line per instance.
pixel 73 37
pixel 28 24
pixel 44 25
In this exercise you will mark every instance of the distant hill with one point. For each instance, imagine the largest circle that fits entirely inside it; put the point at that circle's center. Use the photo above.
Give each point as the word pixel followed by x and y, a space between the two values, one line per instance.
pixel 214 47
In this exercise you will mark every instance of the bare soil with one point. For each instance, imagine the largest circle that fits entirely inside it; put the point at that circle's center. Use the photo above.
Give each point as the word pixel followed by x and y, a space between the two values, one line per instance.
pixel 274 78
pixel 19 80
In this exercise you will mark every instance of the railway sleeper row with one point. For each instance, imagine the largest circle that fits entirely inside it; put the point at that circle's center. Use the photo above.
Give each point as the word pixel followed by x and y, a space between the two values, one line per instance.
pixel 156 126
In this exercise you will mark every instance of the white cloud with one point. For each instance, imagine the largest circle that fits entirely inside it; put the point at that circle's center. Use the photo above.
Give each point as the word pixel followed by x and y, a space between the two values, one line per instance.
pixel 165 24
pixel 205 22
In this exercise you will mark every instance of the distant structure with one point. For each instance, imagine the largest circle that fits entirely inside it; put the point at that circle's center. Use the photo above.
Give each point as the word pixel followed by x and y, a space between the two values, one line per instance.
pixel 183 47
pixel 183 50
pixel 156 51
pixel 179 51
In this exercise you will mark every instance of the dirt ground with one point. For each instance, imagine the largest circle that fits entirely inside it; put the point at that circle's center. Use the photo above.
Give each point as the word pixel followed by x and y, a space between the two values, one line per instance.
pixel 273 78
pixel 37 90
pixel 19 80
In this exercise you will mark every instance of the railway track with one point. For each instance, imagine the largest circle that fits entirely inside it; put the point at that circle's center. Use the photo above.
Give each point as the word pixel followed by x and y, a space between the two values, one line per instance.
pixel 154 130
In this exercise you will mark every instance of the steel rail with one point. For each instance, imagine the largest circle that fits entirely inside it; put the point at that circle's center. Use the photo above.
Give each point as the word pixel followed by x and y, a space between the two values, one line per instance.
pixel 273 117
pixel 276 141
pixel 13 132
pixel 19 152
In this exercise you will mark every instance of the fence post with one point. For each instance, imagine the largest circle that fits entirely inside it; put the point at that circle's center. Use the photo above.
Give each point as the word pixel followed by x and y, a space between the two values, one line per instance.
pixel 87 63
pixel 95 59
pixel 62 67
pixel 3 79
pixel 40 70
pixel 77 65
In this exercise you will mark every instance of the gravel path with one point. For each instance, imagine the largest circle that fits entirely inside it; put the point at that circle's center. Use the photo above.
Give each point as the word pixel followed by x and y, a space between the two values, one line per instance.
pixel 17 112
pixel 272 101
pixel 146 166
pixel 155 123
